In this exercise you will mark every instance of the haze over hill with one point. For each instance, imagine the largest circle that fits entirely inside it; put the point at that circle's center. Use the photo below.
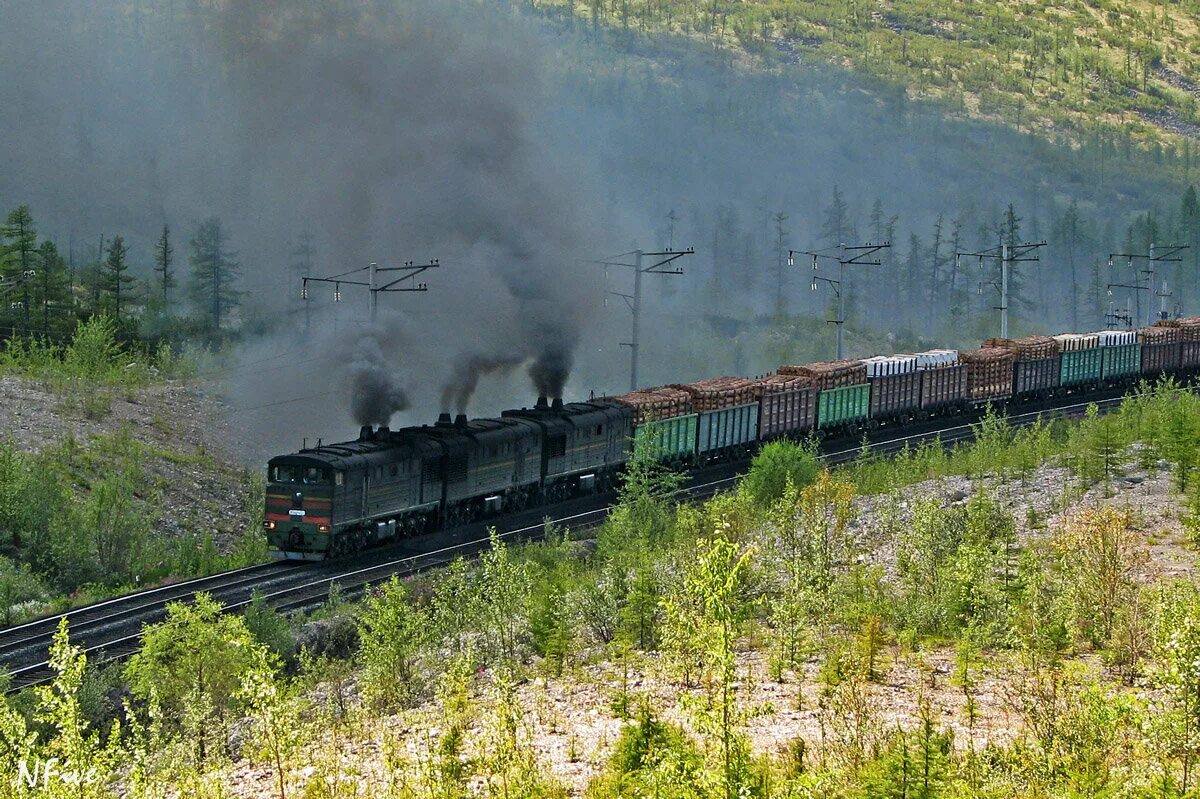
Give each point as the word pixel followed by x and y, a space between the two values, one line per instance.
pixel 509 144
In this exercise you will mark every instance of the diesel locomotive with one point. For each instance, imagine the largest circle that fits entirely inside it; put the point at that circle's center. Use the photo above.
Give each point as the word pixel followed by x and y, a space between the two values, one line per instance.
pixel 333 500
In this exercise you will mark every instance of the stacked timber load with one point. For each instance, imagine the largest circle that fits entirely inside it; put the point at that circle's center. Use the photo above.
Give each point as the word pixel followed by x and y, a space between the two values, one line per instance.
pixel 776 383
pixel 649 404
pixel 890 365
pixel 1159 334
pixel 1074 342
pixel 830 374
pixel 1167 323
pixel 989 372
pixel 720 392
pixel 1030 348
pixel 1189 327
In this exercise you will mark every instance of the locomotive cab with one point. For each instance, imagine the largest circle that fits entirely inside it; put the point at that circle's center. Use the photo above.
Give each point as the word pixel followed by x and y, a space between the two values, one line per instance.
pixel 299 506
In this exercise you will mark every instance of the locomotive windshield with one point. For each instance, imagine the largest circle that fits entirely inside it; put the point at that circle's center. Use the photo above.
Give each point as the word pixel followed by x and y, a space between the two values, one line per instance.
pixel 307 475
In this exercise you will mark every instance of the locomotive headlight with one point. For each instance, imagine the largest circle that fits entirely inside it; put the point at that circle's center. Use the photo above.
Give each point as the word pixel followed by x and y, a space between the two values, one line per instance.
pixel 322 528
pixel 270 525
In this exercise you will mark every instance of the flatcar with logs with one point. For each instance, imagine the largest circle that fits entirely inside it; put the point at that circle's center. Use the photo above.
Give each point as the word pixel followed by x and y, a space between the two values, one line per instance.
pixel 333 500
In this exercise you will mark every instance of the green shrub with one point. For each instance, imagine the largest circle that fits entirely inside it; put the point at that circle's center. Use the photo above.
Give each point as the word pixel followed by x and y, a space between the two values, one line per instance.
pixel 269 627
pixel 777 463
pixel 191 665
pixel 651 758
pixel 392 632
pixel 94 350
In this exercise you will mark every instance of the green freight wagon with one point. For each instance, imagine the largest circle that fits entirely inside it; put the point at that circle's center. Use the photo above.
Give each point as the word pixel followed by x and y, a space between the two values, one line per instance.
pixel 675 437
pixel 1120 361
pixel 846 405
pixel 727 431
pixel 1081 358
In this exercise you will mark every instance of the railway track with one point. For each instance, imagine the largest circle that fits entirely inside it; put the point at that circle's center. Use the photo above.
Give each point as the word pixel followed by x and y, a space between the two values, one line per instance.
pixel 112 629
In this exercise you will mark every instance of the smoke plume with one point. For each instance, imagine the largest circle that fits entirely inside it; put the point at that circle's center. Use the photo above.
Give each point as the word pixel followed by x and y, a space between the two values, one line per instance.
pixel 375 394
pixel 465 378
pixel 422 120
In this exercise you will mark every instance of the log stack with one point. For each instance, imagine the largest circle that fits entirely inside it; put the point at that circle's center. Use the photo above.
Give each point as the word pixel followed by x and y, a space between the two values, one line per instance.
pixel 1029 348
pixel 1160 334
pixel 989 372
pixel 830 374
pixel 649 404
pixel 720 392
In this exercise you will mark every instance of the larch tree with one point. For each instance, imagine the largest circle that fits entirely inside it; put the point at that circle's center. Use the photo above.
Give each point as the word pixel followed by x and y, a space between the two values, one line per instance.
pixel 116 277
pixel 1069 235
pixel 912 281
pixel 164 256
pixel 1189 225
pixel 214 273
pixel 53 283
pixel 18 250
pixel 836 226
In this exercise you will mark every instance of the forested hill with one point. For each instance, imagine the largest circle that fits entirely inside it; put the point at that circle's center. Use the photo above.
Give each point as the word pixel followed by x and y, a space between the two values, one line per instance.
pixel 1074 69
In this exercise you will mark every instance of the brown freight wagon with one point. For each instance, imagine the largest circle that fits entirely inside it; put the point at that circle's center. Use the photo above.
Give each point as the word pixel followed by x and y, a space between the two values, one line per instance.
pixel 989 373
pixel 895 395
pixel 788 406
pixel 1036 377
pixel 1189 355
pixel 1189 341
pixel 943 386
pixel 1161 349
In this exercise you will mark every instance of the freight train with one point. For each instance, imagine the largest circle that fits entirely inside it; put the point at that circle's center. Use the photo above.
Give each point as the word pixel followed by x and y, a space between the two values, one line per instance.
pixel 332 500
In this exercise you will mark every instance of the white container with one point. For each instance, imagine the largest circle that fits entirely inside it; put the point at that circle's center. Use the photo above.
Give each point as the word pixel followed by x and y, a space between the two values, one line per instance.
pixel 1116 338
pixel 888 365
pixel 1070 342
pixel 933 359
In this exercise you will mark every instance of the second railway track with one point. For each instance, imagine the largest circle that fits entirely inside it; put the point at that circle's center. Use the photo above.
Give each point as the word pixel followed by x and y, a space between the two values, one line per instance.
pixel 112 629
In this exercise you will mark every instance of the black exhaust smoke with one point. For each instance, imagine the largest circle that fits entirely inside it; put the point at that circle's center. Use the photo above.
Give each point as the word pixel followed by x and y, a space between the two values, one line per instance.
pixel 375 394
pixel 457 392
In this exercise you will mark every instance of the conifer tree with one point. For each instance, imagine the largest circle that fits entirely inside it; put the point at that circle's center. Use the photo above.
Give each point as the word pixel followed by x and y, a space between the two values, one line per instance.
pixel 116 278
pixel 837 228
pixel 1189 225
pixel 18 244
pixel 53 283
pixel 164 256
pixel 214 273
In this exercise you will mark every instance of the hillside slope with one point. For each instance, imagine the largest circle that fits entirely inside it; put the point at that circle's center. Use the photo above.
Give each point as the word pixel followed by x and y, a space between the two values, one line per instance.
pixel 1110 69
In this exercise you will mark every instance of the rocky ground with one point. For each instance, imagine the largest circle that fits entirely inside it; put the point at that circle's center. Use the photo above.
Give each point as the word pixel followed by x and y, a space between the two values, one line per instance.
pixel 572 723
pixel 189 454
